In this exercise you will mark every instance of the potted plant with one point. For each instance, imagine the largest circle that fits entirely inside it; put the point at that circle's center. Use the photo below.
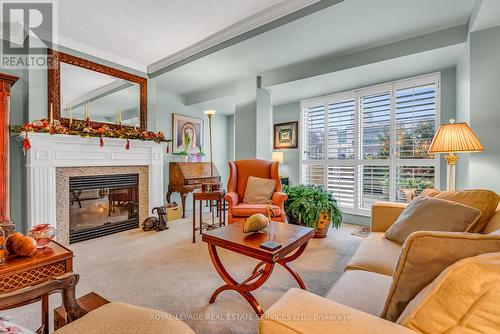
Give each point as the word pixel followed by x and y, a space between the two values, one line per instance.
pixel 184 154
pixel 312 206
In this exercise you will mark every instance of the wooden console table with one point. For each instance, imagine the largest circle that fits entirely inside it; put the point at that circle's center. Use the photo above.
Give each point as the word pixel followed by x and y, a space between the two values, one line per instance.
pixel 293 240
pixel 21 272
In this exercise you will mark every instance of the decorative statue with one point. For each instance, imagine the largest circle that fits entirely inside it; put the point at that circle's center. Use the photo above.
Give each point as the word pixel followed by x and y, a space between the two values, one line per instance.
pixel 258 221
pixel 157 224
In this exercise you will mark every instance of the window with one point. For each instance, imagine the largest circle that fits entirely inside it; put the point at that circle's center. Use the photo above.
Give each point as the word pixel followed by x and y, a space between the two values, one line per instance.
pixel 367 145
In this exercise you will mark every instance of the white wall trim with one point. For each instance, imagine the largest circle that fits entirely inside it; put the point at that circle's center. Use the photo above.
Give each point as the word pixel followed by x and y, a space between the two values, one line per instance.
pixel 261 18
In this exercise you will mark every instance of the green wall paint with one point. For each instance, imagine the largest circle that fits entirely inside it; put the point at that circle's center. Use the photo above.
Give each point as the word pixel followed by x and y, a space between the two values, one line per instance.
pixel 291 157
pixel 264 125
pixel 163 106
pixel 485 107
pixel 463 113
pixel 245 119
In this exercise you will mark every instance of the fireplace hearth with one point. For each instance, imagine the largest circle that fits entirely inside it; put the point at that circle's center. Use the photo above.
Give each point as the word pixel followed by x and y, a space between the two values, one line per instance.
pixel 102 204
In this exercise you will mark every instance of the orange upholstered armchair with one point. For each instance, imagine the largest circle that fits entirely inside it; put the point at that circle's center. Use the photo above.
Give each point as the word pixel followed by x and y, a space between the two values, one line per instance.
pixel 239 171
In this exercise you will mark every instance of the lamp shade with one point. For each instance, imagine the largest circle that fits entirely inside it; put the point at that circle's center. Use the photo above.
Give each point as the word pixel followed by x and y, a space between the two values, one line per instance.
pixel 209 112
pixel 455 137
pixel 278 156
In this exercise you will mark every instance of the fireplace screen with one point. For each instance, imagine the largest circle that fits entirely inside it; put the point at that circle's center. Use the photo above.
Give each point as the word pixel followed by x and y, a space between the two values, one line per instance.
pixel 102 204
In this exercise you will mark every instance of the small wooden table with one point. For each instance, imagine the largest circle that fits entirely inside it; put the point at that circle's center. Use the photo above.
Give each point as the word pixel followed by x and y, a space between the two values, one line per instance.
pixel 47 263
pixel 217 196
pixel 293 239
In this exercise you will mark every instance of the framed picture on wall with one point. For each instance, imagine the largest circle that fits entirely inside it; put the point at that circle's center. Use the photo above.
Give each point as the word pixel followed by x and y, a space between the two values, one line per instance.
pixel 186 129
pixel 286 135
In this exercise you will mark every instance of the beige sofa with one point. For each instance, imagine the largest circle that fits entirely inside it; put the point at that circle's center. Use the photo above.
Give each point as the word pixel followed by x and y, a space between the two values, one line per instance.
pixel 356 301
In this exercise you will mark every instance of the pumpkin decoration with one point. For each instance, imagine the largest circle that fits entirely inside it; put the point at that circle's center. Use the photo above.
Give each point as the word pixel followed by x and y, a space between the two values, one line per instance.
pixel 11 240
pixel 25 246
pixel 255 223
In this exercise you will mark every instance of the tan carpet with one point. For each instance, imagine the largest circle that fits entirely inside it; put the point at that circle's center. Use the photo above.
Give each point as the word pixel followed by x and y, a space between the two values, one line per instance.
pixel 165 271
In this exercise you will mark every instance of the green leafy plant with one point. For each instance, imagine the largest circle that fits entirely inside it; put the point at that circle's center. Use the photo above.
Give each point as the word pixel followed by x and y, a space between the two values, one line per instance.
pixel 187 141
pixel 305 204
pixel 417 183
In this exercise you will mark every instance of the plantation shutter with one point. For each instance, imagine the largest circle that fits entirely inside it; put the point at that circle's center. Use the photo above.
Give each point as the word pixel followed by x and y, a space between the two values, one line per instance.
pixel 374 185
pixel 371 144
pixel 341 130
pixel 341 184
pixel 415 121
pixel 313 174
pixel 375 126
pixel 314 134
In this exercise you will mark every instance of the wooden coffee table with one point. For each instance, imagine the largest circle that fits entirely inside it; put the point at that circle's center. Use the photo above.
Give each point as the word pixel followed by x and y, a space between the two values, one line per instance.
pixel 293 240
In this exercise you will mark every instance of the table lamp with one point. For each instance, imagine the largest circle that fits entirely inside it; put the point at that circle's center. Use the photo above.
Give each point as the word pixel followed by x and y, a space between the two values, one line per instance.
pixel 454 138
pixel 209 187
pixel 278 156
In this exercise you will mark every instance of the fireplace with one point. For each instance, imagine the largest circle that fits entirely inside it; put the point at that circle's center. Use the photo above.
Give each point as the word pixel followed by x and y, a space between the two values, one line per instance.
pixel 53 159
pixel 102 204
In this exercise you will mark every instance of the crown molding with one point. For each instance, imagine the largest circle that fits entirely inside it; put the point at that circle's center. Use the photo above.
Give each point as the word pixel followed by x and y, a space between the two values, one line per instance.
pixel 102 54
pixel 255 21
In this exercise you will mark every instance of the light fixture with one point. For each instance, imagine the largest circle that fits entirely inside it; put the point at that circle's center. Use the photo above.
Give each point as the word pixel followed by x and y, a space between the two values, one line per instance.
pixel 209 187
pixel 209 113
pixel 454 138
pixel 278 156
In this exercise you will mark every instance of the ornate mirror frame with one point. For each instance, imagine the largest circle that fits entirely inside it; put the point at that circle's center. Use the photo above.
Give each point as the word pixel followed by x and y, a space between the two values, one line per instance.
pixel 54 84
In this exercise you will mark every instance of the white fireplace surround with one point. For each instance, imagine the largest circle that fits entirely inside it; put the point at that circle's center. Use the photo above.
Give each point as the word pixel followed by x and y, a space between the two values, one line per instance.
pixel 49 152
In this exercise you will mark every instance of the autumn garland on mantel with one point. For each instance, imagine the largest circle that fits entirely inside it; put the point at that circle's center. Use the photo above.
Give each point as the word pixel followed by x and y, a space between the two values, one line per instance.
pixel 84 129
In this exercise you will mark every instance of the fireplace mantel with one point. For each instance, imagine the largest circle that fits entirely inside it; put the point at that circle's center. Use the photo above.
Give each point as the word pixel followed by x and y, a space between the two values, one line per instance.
pixel 49 152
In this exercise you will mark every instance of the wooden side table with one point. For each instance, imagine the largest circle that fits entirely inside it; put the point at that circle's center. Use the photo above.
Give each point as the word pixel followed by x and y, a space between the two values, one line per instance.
pixel 21 272
pixel 217 196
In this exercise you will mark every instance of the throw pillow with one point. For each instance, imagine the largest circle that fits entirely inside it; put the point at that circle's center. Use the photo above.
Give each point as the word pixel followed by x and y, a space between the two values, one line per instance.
pixel 464 298
pixel 424 256
pixel 484 200
pixel 259 191
pixel 431 214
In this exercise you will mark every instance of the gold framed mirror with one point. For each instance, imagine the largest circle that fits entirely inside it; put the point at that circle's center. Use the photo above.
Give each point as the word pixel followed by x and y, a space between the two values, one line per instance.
pixel 81 89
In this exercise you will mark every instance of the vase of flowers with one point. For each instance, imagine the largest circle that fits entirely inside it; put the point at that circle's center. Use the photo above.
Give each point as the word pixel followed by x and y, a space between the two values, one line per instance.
pixel 199 155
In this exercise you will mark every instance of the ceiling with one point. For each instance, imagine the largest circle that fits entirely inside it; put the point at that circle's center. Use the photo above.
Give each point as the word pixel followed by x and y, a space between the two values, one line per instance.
pixel 349 26
pixel 138 33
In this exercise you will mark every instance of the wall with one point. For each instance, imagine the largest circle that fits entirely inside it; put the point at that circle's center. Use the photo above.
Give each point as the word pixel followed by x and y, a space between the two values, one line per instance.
pixel 463 112
pixel 485 107
pixel 291 157
pixel 167 104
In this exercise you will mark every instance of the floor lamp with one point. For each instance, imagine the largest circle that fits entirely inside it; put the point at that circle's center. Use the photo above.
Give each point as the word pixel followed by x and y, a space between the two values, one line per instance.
pixel 454 138
pixel 210 114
